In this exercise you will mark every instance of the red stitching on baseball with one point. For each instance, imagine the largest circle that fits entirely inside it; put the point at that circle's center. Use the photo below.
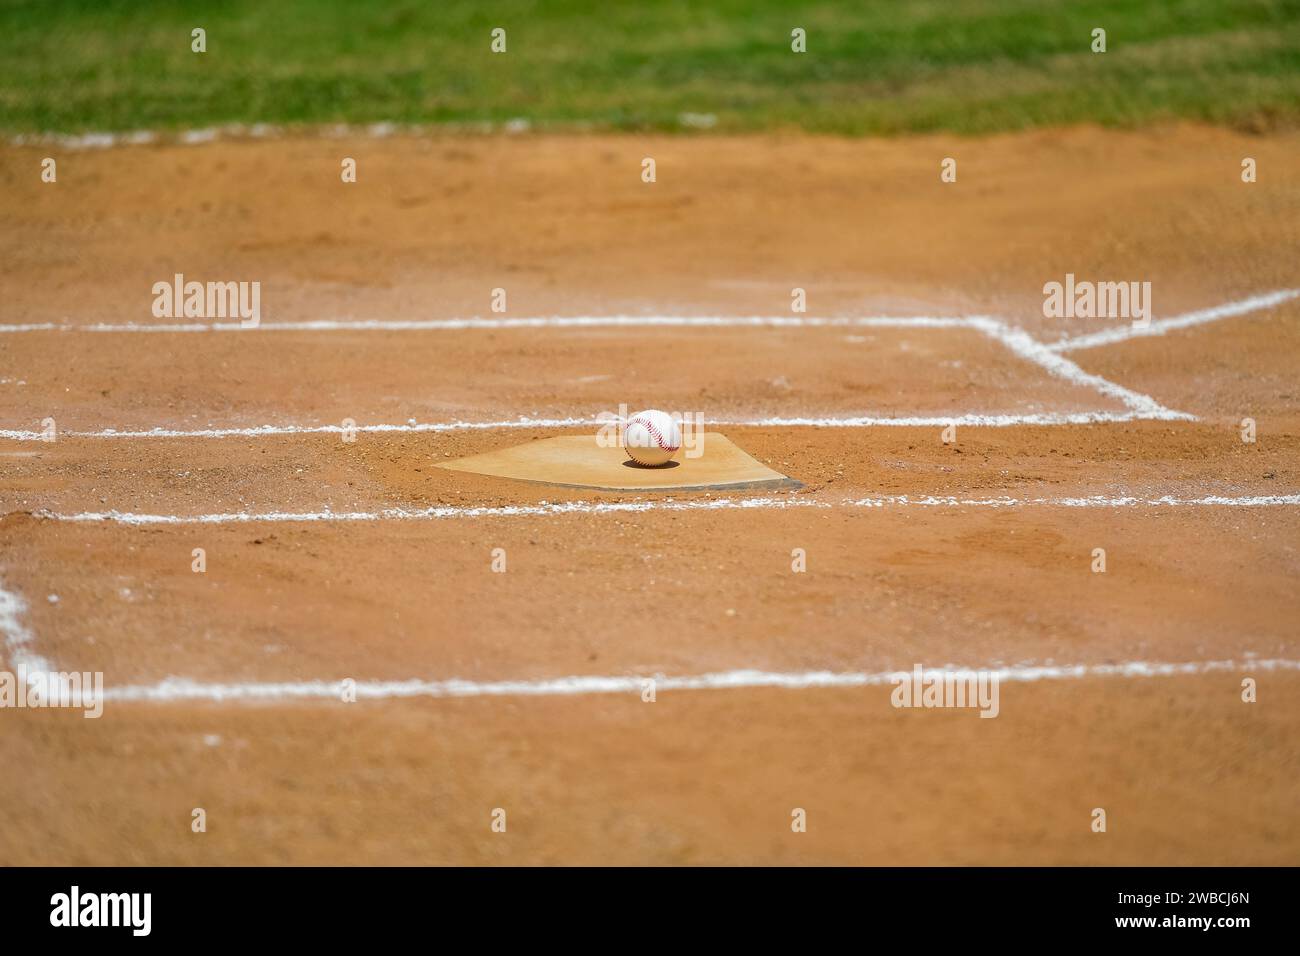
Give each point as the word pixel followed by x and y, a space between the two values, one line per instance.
pixel 654 433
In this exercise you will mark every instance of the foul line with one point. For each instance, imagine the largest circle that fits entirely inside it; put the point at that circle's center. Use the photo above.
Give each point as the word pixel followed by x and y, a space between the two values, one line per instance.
pixel 549 509
pixel 1162 326
pixel 177 689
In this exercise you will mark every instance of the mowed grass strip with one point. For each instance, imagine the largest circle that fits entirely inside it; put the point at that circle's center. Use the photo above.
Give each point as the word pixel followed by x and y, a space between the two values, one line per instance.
pixel 886 66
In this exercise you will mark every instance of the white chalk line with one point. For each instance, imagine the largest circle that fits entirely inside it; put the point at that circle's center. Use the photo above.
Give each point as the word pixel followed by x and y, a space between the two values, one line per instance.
pixel 108 139
pixel 1017 341
pixel 969 420
pixel 1080 501
pixel 1046 356
pixel 941 421
pixel 1107 336
pixel 258 431
pixel 1162 326
pixel 179 689
pixel 1028 348
pixel 499 324
pixel 17 638
pixel 550 509
pixel 437 512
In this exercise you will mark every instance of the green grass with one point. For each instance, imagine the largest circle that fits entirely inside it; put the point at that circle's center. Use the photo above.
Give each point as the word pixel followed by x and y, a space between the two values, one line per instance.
pixel 872 66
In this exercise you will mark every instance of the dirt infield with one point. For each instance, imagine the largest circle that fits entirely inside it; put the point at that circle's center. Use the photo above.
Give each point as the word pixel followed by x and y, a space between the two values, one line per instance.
pixel 330 559
pixel 566 225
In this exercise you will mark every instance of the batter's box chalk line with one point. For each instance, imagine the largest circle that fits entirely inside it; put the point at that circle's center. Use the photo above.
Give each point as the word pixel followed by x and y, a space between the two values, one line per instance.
pixel 178 689
pixel 1048 357
pixel 550 424
pixel 17 639
pixel 549 509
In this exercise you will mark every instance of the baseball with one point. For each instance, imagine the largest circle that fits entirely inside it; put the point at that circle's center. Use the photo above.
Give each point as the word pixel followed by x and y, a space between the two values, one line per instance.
pixel 651 438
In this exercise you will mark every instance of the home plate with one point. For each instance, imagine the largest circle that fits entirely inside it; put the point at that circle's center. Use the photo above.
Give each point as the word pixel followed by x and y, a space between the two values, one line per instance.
pixel 577 461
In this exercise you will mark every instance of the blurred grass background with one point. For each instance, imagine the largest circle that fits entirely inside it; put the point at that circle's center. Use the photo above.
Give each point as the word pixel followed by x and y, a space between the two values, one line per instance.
pixel 873 66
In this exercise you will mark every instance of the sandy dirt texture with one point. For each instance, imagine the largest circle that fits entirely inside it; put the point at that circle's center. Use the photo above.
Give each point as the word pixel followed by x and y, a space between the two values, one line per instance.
pixel 97 534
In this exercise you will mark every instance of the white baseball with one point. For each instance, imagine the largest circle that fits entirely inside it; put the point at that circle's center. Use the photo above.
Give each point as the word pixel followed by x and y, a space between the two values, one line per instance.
pixel 651 438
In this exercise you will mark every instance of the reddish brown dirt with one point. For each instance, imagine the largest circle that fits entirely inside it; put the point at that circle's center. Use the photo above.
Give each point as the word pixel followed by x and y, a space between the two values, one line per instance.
pixel 583 594
pixel 282 378
pixel 1188 772
pixel 567 227
pixel 1224 371
pixel 189 476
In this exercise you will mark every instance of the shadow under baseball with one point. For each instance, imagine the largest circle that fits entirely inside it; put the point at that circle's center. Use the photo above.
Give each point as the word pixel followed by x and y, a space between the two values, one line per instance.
pixel 666 465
